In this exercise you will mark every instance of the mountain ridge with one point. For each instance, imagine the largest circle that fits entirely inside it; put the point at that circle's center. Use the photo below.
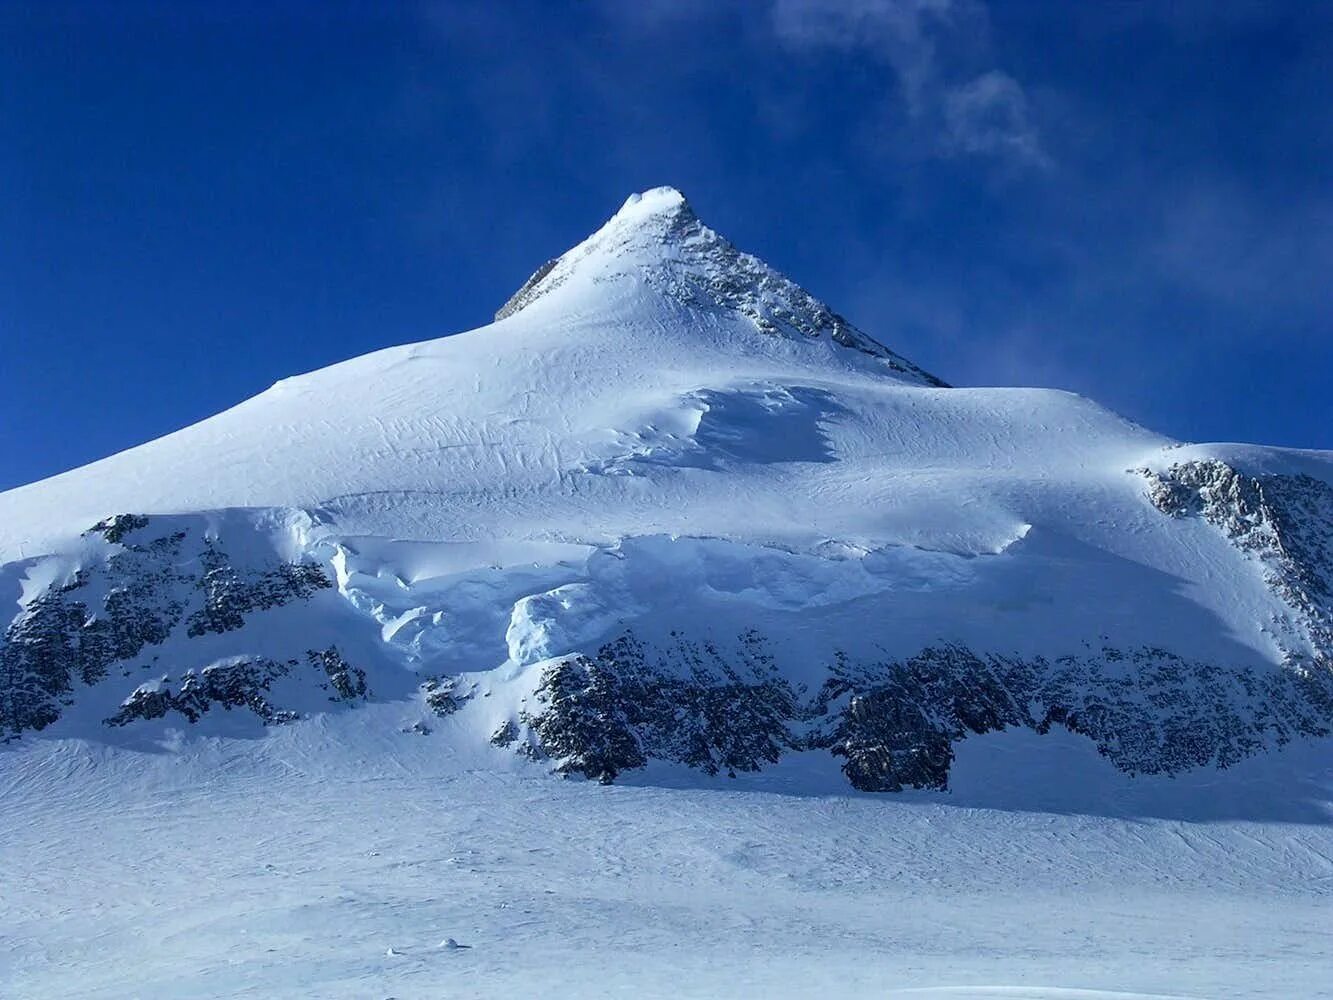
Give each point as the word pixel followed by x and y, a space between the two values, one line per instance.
pixel 670 507
pixel 657 236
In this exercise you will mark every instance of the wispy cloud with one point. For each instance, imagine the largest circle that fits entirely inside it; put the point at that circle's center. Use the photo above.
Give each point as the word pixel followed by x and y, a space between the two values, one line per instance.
pixel 898 32
pixel 989 116
pixel 1246 251
pixel 926 43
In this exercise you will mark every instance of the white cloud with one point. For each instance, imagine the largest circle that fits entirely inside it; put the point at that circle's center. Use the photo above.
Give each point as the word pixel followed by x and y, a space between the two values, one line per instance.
pixel 987 115
pixel 897 31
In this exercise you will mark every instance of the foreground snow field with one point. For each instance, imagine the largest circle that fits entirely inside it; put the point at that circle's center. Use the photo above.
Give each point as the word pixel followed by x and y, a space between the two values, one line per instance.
pixel 332 860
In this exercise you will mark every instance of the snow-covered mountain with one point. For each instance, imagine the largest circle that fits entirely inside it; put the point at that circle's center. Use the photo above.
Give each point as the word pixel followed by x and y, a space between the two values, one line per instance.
pixel 671 507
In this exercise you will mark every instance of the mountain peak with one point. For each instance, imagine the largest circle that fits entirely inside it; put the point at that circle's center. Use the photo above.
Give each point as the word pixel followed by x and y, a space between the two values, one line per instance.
pixel 654 201
pixel 657 240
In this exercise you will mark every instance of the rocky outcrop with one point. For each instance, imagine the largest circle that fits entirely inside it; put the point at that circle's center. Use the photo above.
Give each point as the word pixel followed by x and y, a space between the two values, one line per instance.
pixel 242 684
pixel 895 724
pixel 531 289
pixel 585 720
pixel 444 695
pixel 71 633
pixel 900 720
pixel 609 712
pixel 1285 523
pixel 114 611
pixel 347 682
pixel 116 527
pixel 1147 710
pixel 230 595
pixel 709 272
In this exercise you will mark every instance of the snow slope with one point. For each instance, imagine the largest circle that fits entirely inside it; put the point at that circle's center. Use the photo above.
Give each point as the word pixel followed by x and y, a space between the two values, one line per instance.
pixel 523 414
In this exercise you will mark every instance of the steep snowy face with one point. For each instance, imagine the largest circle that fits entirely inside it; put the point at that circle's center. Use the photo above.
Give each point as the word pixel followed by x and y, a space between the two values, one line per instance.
pixel 671 507
pixel 657 239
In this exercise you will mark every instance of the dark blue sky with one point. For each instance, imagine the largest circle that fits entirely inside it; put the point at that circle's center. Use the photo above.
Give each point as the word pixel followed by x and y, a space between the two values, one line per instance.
pixel 1133 201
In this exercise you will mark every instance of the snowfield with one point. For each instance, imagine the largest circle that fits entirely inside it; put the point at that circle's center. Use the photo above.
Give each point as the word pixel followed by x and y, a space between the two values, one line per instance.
pixel 333 859
pixel 885 687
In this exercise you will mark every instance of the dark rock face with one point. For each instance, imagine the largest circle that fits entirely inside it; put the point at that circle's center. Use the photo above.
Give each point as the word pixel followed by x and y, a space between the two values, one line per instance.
pixel 896 723
pixel 143 703
pixel 1283 522
pixel 229 596
pixel 1147 710
pixel 528 292
pixel 244 684
pixel 902 719
pixel 712 273
pixel 117 526
pixel 116 610
pixel 585 724
pixel 602 714
pixel 348 682
pixel 444 696
pixel 66 635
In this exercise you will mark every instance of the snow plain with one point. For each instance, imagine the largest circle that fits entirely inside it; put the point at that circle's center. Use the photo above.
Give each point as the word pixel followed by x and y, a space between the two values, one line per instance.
pixel 613 453
pixel 334 857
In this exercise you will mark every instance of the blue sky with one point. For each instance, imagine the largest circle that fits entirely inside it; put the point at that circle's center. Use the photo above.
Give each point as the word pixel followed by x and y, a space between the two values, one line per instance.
pixel 1131 201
